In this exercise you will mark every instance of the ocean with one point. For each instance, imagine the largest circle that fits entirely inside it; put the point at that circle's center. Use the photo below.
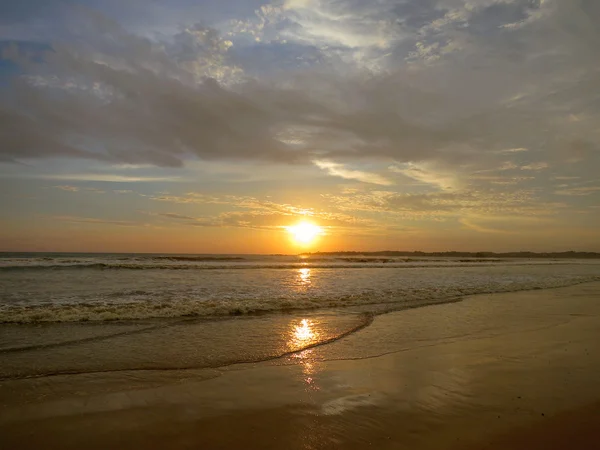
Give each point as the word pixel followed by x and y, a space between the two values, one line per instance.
pixel 89 313
pixel 107 287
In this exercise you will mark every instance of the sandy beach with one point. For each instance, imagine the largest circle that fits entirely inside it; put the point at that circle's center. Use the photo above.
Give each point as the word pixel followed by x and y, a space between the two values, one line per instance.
pixel 514 370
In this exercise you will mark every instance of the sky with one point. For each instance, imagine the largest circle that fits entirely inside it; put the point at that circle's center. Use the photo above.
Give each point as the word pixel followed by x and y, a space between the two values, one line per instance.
pixel 209 127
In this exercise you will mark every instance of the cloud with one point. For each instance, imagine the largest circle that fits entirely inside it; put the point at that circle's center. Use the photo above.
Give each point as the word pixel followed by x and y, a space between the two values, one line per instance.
pixel 439 89
pixel 566 178
pixel 175 216
pixel 513 150
pixel 337 23
pixel 258 206
pixel 67 188
pixel 428 174
pixel 536 166
pixel 445 205
pixel 92 220
pixel 78 189
pixel 578 191
pixel 481 228
pixel 454 115
pixel 261 219
pixel 252 212
pixel 26 10
pixel 339 170
pixel 203 52
pixel 153 108
pixel 107 178
pixel 505 225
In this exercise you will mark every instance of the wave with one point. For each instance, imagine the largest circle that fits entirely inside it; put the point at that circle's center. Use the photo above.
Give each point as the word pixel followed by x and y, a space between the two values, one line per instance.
pixel 357 264
pixel 408 260
pixel 199 258
pixel 382 301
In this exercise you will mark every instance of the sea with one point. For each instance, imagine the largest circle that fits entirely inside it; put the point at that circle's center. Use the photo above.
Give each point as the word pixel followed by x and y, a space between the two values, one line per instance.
pixel 88 313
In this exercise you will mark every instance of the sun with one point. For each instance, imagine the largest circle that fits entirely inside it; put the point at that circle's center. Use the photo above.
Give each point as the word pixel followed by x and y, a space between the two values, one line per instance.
pixel 305 232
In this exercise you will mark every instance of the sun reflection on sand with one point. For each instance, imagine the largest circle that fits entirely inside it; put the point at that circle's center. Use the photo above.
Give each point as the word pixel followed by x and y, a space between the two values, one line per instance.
pixel 309 370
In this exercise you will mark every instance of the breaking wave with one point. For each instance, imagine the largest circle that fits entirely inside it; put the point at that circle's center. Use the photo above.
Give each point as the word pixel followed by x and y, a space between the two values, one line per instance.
pixel 373 302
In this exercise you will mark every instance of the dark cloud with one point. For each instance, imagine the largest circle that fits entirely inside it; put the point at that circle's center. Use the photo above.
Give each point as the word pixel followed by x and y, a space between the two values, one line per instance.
pixel 133 110
pixel 113 96
pixel 492 18
pixel 139 102
pixel 262 59
pixel 417 14
pixel 24 10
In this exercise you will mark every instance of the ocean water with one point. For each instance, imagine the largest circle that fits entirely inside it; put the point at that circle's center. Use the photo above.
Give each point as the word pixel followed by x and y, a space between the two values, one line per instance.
pixel 106 287
pixel 82 314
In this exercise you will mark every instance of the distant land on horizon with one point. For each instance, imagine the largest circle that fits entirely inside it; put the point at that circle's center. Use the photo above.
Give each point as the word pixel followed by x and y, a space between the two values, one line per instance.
pixel 523 254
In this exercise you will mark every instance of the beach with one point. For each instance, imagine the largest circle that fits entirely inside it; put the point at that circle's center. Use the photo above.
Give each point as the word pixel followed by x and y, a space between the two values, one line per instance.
pixel 300 224
pixel 505 370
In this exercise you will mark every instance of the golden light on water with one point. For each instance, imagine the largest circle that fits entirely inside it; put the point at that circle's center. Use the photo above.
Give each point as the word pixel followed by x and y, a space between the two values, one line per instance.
pixel 304 275
pixel 303 332
pixel 304 232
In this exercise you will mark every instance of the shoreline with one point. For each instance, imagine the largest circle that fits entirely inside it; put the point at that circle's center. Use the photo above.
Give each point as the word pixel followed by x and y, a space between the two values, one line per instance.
pixel 465 375
pixel 366 314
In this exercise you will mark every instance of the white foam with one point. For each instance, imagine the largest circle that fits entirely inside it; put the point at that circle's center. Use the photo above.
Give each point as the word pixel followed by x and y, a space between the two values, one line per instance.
pixel 349 402
pixel 405 295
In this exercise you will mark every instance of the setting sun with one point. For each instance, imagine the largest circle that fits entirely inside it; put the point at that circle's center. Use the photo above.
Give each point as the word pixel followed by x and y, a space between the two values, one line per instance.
pixel 305 232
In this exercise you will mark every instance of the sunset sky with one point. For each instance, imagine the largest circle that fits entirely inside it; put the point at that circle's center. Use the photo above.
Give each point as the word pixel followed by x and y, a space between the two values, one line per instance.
pixel 204 126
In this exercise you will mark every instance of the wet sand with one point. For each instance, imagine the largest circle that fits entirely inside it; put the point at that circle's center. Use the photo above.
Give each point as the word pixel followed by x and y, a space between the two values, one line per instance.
pixel 517 370
pixel 576 429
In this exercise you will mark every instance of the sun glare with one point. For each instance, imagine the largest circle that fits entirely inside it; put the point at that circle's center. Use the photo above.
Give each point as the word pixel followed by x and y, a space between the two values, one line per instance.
pixel 305 232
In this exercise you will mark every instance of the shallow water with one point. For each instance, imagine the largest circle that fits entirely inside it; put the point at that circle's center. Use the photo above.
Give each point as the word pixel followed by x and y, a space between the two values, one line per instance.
pixel 71 314
pixel 166 345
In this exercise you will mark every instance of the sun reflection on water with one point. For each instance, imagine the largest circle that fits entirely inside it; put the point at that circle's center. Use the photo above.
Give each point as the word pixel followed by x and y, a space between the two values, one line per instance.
pixel 303 333
pixel 304 276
